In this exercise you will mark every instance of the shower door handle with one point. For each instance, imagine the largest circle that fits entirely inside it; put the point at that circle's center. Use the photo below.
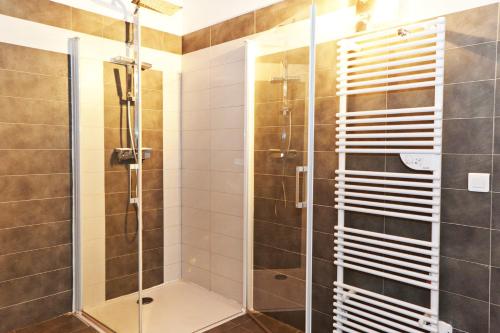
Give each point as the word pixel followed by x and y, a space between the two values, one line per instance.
pixel 298 171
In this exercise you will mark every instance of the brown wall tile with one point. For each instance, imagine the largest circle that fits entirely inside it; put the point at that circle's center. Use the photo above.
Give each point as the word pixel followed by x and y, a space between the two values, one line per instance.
pixel 173 43
pixel 35 311
pixel 34 187
pixel 21 136
pixel 152 119
pixel 117 30
pixel 153 139
pixel 35 228
pixel 23 162
pixel 35 286
pixel 152 80
pixel 152 99
pixel 87 22
pixel 33 262
pixel 28 111
pixel 34 237
pixel 21 213
pixel 18 84
pixel 160 40
pixel 26 59
pixel 41 11
pixel 234 28
pixel 196 40
pixel 281 13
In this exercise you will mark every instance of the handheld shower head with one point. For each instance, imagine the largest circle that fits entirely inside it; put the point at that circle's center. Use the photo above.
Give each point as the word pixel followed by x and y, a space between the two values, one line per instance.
pixel 161 6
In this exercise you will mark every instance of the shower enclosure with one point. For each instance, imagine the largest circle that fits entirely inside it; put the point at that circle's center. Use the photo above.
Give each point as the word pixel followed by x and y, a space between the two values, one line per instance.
pixel 147 259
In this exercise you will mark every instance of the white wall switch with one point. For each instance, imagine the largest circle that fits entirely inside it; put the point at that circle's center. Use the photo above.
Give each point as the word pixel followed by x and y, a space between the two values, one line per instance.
pixel 479 182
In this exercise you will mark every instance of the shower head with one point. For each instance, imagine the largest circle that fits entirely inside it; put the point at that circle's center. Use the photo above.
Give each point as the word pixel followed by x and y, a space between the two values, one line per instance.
pixel 160 6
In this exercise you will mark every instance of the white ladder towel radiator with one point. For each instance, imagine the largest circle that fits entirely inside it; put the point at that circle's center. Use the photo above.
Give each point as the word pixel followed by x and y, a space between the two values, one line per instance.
pixel 402 58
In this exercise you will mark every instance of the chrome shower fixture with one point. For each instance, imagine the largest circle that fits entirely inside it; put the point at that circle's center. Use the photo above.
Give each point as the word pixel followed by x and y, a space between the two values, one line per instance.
pixel 128 154
pixel 126 61
pixel 282 79
pixel 159 6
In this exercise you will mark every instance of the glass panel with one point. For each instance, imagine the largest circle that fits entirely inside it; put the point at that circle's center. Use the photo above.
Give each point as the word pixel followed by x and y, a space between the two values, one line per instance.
pixel 280 152
pixel 109 232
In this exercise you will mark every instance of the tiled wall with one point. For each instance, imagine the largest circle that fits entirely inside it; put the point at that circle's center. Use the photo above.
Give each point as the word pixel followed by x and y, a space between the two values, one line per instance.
pixel 121 217
pixel 212 168
pixel 469 279
pixel 35 182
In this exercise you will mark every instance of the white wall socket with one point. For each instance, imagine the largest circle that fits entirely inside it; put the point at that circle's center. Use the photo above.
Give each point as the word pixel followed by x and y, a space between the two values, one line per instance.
pixel 479 182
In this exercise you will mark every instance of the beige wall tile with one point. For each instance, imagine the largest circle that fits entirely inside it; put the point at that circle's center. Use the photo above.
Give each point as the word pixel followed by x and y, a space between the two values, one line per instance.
pixel 195 257
pixel 227 96
pixel 196 120
pixel 196 198
pixel 196 80
pixel 227 139
pixel 228 225
pixel 196 159
pixel 226 203
pixel 227 267
pixel 227 288
pixel 196 218
pixel 227 246
pixel 196 275
pixel 226 182
pixel 227 74
pixel 196 179
pixel 225 160
pixel 196 140
pixel 227 118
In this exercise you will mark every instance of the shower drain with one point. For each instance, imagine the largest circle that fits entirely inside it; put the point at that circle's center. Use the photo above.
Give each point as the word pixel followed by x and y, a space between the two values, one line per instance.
pixel 280 277
pixel 146 300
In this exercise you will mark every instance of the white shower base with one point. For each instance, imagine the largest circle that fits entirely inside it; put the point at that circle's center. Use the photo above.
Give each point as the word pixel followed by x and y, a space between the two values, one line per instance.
pixel 178 307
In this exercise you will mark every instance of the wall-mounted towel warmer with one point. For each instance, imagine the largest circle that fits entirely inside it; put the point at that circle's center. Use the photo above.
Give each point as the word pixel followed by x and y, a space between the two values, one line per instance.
pixel 402 58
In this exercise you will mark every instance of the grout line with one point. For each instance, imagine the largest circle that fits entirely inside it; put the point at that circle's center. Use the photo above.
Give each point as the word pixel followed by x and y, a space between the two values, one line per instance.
pixel 35 199
pixel 463 260
pixel 36 274
pixel 36 225
pixel 35 124
pixel 2 69
pixel 134 253
pixel 33 250
pixel 37 174
pixel 468 297
pixel 471 45
pixel 35 149
pixel 37 299
pixel 121 277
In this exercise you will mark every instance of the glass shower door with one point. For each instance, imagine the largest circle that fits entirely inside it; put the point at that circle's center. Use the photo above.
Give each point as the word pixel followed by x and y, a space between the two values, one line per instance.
pixel 280 171
pixel 106 221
